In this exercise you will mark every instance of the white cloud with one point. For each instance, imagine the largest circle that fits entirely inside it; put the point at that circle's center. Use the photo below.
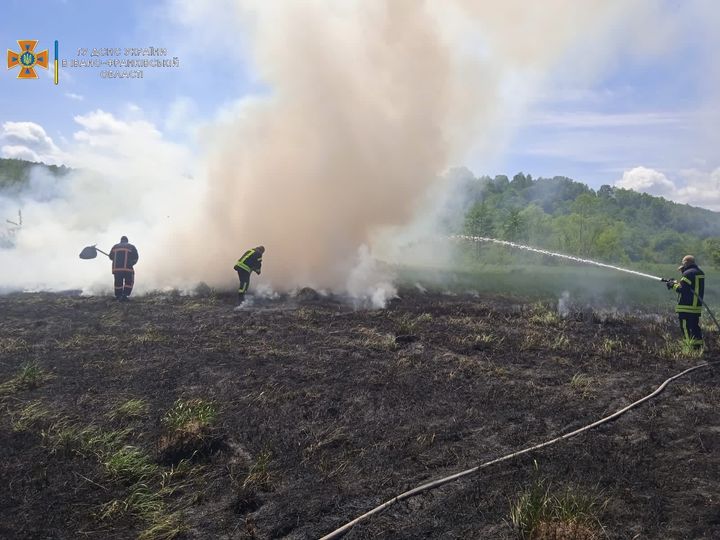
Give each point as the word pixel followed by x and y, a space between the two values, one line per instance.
pixel 28 140
pixel 26 132
pixel 607 120
pixel 693 186
pixel 648 181
pixel 19 152
pixel 101 121
pixel 105 140
pixel 76 97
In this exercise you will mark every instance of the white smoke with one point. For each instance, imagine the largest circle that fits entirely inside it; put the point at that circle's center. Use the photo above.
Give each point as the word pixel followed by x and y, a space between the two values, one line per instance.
pixel 367 103
pixel 370 283
pixel 564 304
pixel 127 180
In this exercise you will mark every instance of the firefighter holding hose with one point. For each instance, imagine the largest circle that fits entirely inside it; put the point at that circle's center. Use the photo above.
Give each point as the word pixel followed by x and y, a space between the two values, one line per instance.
pixel 690 288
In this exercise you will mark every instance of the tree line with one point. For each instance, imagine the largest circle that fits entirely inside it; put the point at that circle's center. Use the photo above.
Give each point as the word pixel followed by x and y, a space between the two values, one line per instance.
pixel 611 224
pixel 15 173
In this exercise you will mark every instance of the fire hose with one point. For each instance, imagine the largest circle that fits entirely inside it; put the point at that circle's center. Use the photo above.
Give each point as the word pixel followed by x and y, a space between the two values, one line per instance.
pixel 337 533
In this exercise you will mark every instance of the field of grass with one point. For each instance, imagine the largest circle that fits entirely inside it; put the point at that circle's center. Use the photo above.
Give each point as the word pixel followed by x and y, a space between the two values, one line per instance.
pixel 577 285
pixel 177 417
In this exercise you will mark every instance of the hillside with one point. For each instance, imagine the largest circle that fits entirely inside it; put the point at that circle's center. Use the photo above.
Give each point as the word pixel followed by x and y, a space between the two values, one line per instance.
pixel 612 224
pixel 175 417
pixel 15 173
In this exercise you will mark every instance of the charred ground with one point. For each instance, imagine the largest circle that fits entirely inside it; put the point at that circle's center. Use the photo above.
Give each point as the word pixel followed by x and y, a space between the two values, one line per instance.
pixel 177 417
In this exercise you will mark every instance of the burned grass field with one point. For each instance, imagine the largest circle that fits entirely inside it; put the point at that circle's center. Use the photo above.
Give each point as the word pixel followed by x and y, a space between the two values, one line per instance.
pixel 176 417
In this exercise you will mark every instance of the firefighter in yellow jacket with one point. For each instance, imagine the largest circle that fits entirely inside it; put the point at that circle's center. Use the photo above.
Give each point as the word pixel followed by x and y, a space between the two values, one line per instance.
pixel 691 289
pixel 251 261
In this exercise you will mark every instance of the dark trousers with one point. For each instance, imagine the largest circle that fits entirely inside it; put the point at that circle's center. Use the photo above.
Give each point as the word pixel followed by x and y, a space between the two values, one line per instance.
pixel 124 281
pixel 690 326
pixel 244 277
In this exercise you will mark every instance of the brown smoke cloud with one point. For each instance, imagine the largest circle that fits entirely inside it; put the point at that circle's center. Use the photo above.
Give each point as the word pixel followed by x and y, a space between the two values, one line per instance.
pixel 347 142
pixel 369 102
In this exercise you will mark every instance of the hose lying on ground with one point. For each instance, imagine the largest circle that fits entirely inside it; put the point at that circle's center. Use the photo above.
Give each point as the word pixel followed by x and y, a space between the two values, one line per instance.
pixel 437 483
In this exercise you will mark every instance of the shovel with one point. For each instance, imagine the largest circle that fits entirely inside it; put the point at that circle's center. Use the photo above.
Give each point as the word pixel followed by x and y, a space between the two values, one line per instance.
pixel 90 252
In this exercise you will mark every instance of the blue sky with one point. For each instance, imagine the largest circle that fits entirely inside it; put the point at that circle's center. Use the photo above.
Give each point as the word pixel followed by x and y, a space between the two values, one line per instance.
pixel 105 23
pixel 644 120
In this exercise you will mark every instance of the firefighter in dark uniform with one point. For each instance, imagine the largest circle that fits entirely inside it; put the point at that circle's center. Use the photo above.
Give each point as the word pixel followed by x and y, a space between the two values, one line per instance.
pixel 690 288
pixel 124 256
pixel 251 261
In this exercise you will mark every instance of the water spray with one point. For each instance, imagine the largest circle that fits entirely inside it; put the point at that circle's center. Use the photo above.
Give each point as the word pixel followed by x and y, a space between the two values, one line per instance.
pixel 580 260
pixel 553 254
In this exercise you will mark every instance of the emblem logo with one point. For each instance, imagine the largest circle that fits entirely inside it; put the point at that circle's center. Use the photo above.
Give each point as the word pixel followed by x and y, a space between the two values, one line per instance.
pixel 27 59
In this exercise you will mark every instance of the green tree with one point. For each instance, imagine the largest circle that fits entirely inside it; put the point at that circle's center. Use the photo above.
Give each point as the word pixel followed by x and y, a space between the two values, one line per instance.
pixel 610 245
pixel 513 226
pixel 538 226
pixel 711 248
pixel 480 220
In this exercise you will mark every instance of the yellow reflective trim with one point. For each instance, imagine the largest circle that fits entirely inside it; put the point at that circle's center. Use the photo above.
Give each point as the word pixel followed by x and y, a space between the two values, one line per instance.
pixel 696 296
pixel 246 256
pixel 685 330
pixel 686 280
pixel 687 309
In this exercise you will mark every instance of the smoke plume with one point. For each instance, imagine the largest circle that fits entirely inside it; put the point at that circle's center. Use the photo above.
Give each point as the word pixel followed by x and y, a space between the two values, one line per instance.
pixel 367 103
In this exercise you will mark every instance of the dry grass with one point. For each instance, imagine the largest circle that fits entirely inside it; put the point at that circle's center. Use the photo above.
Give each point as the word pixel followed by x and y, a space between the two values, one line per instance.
pixel 542 513
pixel 376 340
pixel 582 385
pixel 131 409
pixel 30 416
pixel 13 345
pixel 28 377
pixel 259 476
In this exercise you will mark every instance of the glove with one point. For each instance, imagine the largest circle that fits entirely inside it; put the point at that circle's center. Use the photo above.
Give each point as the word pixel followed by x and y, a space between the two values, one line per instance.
pixel 670 284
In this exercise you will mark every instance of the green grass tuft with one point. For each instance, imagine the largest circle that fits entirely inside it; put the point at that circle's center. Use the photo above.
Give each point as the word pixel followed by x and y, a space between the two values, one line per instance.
pixel 131 464
pixel 259 475
pixel 538 513
pixel 129 410
pixel 30 416
pixel 28 377
pixel 190 416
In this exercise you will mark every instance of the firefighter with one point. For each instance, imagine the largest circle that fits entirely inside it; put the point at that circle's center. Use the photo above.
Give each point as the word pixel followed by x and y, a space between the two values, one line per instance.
pixel 690 288
pixel 123 256
pixel 251 261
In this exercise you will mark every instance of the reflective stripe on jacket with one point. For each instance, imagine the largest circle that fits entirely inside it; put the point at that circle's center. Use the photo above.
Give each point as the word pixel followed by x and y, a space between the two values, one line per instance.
pixel 690 289
pixel 123 256
pixel 251 261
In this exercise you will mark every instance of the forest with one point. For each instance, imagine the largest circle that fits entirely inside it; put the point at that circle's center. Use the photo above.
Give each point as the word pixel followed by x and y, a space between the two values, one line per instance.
pixel 610 224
